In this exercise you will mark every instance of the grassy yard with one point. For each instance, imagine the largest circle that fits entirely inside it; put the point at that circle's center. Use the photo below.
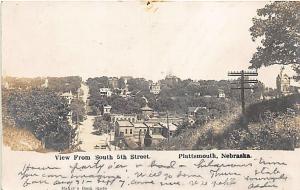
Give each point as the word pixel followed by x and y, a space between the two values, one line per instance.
pixel 20 139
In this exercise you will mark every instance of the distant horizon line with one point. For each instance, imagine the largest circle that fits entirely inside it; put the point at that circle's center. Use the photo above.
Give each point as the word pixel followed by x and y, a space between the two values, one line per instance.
pixel 85 78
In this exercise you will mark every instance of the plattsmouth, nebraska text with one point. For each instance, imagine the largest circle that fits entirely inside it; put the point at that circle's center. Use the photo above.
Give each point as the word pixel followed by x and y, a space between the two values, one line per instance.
pixel 213 155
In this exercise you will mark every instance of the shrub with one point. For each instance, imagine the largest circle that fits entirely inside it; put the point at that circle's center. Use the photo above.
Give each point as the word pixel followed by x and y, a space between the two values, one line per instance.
pixel 101 125
pixel 273 132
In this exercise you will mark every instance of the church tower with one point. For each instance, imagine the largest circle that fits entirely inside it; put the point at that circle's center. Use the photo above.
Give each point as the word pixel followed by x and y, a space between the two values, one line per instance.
pixel 283 83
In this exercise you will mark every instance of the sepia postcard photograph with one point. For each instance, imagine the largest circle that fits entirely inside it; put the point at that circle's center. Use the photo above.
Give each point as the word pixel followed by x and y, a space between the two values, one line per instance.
pixel 89 81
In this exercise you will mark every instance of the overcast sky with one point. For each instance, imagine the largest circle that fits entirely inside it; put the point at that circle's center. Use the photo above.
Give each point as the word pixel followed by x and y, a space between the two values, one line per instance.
pixel 197 40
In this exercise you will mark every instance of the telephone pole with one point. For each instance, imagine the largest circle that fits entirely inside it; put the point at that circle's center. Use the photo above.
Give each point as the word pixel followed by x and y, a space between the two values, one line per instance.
pixel 168 127
pixel 242 74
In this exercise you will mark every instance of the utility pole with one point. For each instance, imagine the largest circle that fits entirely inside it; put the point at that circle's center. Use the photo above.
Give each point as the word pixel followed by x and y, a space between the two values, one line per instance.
pixel 242 74
pixel 78 128
pixel 168 127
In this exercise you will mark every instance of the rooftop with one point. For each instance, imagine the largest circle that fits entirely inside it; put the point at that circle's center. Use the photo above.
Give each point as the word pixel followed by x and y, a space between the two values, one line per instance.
pixel 139 125
pixel 124 123
pixel 146 108
pixel 153 124
pixel 67 94
pixel 123 115
pixel 172 127
pixel 104 89
pixel 196 109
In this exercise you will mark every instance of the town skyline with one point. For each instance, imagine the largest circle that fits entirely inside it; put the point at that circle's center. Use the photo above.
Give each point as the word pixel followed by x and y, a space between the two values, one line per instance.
pixel 288 70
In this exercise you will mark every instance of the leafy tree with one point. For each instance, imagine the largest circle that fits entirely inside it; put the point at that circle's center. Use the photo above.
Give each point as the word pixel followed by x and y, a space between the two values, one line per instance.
pixel 65 84
pixel 106 117
pixel 192 88
pixel 93 110
pixel 101 125
pixel 132 106
pixel 78 110
pixel 277 27
pixel 57 84
pixel 122 105
pixel 121 83
pixel 138 84
pixel 45 114
pixel 24 83
pixel 148 138
pixel 118 105
pixel 182 128
pixel 97 82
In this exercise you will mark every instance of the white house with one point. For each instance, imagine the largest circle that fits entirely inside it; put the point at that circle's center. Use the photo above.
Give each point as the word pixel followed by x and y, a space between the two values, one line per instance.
pixel 106 109
pixel 124 129
pixel 221 94
pixel 46 83
pixel 68 96
pixel 105 92
pixel 154 88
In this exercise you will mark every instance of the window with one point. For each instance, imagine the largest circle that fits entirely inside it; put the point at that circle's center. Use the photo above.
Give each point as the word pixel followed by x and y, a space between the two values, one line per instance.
pixel 154 130
pixel 126 131
pixel 130 131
